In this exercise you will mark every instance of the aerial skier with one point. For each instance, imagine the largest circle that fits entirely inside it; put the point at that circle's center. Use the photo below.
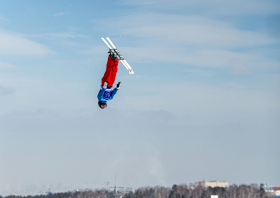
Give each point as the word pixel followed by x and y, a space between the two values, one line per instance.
pixel 107 92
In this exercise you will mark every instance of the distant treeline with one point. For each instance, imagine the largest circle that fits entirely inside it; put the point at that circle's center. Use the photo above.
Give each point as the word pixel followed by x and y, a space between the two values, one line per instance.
pixel 177 191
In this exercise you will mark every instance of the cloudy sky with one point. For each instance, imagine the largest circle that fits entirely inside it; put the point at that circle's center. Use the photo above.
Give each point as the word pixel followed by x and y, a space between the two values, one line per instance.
pixel 203 103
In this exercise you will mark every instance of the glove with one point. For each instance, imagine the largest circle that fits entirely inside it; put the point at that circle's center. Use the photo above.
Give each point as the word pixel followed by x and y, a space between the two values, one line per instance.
pixel 105 85
pixel 118 85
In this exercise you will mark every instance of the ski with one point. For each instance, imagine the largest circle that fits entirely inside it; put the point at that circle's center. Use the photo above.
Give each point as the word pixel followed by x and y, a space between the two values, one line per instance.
pixel 114 50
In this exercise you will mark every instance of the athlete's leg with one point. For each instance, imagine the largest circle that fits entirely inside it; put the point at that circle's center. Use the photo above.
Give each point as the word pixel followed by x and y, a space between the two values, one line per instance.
pixel 111 72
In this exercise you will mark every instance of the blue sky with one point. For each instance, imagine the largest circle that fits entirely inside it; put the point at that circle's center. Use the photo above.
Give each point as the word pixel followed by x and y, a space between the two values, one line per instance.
pixel 203 102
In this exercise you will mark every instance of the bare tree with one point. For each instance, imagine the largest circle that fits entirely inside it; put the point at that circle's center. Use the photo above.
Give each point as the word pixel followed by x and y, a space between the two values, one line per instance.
pixel 161 192
pixel 197 192
pixel 180 191
pixel 177 191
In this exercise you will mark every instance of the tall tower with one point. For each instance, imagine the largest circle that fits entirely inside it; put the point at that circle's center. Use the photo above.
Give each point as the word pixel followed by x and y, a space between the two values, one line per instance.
pixel 117 191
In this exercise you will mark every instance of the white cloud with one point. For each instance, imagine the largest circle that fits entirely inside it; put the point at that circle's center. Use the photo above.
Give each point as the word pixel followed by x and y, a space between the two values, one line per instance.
pixel 239 62
pixel 70 34
pixel 93 50
pixel 166 29
pixel 6 65
pixel 199 73
pixel 202 34
pixel 235 86
pixel 15 44
pixel 224 7
pixel 205 102
pixel 60 14
pixel 6 91
pixel 190 40
pixel 64 35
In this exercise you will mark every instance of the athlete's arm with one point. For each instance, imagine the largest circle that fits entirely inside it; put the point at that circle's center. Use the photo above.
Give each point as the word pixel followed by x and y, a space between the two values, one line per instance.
pixel 114 93
pixel 101 93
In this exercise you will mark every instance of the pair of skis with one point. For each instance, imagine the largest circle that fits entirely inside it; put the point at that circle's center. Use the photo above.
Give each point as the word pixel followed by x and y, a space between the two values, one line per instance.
pixel 116 53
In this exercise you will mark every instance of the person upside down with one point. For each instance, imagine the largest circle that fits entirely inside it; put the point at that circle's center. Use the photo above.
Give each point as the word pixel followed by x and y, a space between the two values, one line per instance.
pixel 107 92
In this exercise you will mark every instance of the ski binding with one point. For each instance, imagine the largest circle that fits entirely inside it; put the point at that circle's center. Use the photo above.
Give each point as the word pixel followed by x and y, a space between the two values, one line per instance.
pixel 113 50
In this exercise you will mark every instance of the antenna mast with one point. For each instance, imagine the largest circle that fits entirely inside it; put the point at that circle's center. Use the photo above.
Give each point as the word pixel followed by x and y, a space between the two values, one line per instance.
pixel 118 191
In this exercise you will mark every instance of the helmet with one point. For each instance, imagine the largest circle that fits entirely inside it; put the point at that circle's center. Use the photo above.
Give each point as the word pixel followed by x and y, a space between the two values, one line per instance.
pixel 101 103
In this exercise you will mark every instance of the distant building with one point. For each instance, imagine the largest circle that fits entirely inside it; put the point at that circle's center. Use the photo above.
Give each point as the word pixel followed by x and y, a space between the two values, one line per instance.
pixel 273 190
pixel 277 191
pixel 211 184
